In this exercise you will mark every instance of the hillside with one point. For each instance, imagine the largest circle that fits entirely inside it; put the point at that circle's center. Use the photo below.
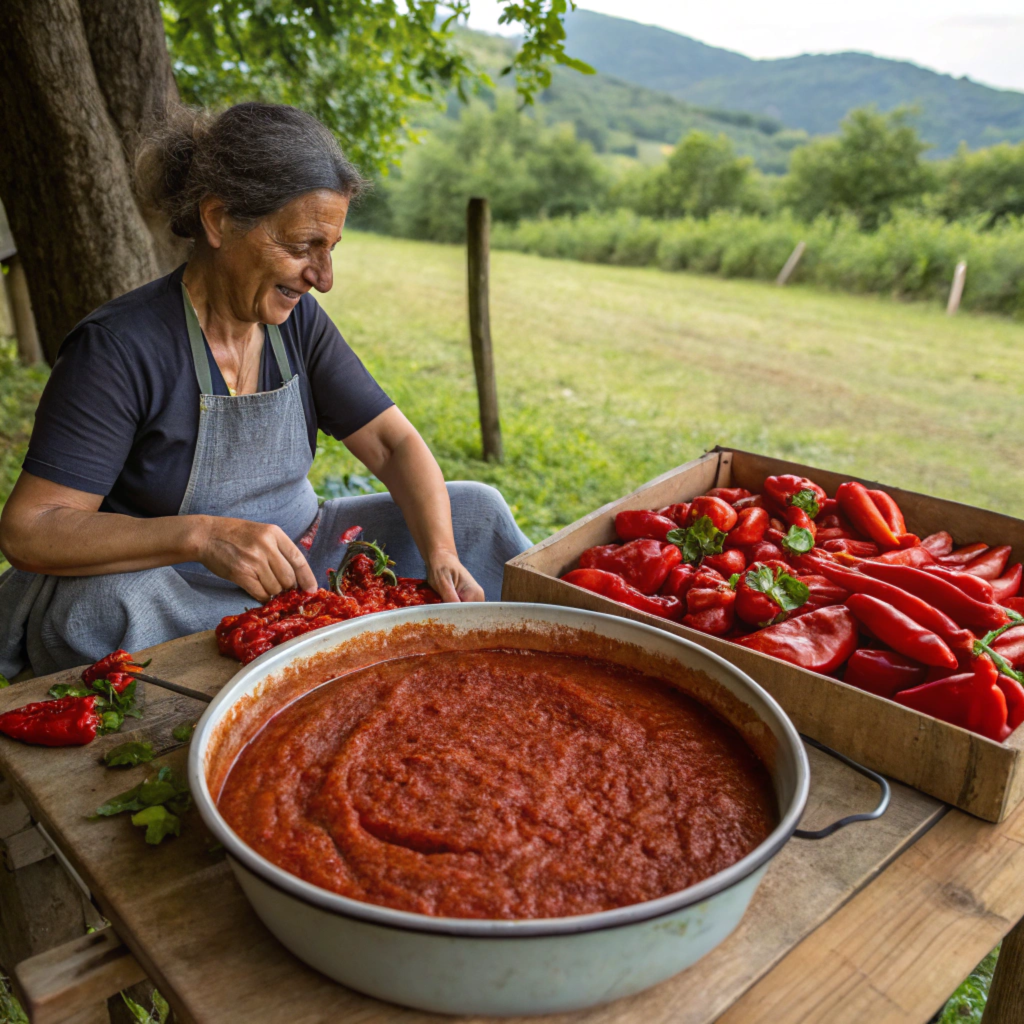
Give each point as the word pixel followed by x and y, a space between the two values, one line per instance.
pixel 810 92
pixel 620 117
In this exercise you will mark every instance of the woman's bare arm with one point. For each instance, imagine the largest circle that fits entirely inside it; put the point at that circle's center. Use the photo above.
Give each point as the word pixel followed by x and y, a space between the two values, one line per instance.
pixel 392 449
pixel 57 530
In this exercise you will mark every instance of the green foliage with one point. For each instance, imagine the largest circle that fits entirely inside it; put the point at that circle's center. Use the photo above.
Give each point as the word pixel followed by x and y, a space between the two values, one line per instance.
pixel 912 255
pixel 358 65
pixel 159 1015
pixel 873 166
pixel 702 174
pixel 967 1004
pixel 524 168
pixel 129 755
pixel 10 1009
pixel 990 181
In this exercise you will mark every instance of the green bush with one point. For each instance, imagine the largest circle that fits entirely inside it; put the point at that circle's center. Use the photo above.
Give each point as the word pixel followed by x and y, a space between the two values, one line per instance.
pixel 989 181
pixel 525 169
pixel 912 255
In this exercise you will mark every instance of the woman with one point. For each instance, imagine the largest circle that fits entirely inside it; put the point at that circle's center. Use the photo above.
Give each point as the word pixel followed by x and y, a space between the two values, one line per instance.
pixel 165 484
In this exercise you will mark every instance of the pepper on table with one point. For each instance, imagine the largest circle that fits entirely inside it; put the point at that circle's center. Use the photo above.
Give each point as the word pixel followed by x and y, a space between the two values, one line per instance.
pixel 65 722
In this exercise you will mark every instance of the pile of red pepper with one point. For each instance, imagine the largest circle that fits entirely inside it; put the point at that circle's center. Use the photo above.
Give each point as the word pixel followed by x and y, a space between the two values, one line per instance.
pixel 363 584
pixel 81 711
pixel 835 585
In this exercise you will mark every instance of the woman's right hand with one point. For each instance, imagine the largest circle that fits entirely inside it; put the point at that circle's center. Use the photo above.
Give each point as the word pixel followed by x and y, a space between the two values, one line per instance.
pixel 261 559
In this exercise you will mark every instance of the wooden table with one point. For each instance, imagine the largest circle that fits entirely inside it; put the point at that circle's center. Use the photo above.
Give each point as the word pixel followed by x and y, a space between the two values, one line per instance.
pixel 878 923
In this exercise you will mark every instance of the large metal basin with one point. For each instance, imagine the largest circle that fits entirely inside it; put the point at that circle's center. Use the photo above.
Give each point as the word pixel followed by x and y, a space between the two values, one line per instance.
pixel 464 966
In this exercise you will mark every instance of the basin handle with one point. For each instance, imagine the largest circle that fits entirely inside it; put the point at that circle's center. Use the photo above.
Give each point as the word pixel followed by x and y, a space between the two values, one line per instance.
pixel 883 803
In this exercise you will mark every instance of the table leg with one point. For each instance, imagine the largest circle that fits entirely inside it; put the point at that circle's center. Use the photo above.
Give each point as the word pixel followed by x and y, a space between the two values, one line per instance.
pixel 1006 996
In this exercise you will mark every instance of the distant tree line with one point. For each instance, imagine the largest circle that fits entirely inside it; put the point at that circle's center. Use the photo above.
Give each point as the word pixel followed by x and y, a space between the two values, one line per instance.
pixel 874 168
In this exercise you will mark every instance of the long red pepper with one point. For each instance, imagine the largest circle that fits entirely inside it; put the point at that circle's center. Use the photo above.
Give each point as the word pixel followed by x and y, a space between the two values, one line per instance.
pixel 900 631
pixel 989 565
pixel 607 584
pixel 954 602
pixel 972 586
pixel 1014 694
pixel 1008 585
pixel 938 544
pixel 890 512
pixel 1011 646
pixel 923 613
pixel 961 556
pixel 857 504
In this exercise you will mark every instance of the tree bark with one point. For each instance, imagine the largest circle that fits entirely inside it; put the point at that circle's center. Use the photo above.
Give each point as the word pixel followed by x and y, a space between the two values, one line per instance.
pixel 64 178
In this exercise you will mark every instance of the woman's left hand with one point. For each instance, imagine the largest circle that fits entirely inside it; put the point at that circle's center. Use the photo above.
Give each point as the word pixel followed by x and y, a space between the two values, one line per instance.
pixel 452 580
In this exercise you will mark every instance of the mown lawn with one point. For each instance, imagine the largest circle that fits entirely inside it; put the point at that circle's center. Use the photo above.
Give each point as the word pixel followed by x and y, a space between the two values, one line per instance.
pixel 608 376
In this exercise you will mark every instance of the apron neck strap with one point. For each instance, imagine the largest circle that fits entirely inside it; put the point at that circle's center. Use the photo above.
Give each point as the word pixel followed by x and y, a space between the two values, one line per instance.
pixel 198 346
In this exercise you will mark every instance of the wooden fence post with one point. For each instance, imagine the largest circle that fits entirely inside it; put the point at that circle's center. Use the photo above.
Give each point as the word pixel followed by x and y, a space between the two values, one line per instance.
pixel 956 291
pixel 478 244
pixel 790 265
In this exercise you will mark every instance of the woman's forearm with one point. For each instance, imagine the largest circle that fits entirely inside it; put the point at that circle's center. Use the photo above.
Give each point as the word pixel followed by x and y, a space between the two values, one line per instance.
pixel 63 541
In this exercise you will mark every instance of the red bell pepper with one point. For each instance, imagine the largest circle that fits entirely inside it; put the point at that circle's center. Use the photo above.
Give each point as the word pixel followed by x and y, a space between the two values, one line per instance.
pixel 883 673
pixel 859 507
pixel 608 584
pixel 678 582
pixel 749 529
pixel 65 722
pixel 989 565
pixel 677 512
pixel 924 614
pixel 938 544
pixel 729 494
pixel 973 700
pixel 643 564
pixel 963 610
pixel 722 515
pixel 641 524
pixel 710 603
pixel 972 586
pixel 767 594
pixel 963 555
pixel 900 631
pixel 727 563
pixel 1008 585
pixel 790 491
pixel 819 642
pixel 764 551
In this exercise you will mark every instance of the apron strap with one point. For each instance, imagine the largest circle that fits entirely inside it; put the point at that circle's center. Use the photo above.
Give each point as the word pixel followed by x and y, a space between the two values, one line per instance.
pixel 198 347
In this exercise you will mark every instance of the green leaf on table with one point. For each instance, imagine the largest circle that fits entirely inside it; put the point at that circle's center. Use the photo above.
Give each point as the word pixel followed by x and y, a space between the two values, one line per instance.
pixel 129 754
pixel 697 541
pixel 127 801
pixel 158 823
pixel 59 690
pixel 806 500
pixel 165 788
pixel 183 732
pixel 798 541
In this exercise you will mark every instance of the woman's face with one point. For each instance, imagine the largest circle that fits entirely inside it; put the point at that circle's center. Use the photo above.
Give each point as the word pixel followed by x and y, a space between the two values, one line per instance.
pixel 269 268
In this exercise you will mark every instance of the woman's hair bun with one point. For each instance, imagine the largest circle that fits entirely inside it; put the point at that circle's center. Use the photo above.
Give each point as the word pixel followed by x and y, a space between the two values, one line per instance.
pixel 254 157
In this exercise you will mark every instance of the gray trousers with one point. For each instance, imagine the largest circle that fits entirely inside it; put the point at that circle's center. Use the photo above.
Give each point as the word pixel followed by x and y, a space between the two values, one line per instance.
pixel 54 623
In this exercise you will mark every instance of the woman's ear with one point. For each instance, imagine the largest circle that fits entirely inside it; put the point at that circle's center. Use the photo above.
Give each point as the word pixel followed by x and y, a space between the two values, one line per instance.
pixel 213 217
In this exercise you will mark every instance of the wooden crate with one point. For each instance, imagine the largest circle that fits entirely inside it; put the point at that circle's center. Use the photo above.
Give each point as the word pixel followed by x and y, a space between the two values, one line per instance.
pixel 973 773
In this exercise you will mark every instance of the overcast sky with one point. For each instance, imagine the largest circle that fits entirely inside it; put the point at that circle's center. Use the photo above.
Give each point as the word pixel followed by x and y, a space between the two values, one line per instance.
pixel 980 38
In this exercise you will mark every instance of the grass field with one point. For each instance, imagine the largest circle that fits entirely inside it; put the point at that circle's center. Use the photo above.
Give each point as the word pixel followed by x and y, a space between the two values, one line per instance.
pixel 608 376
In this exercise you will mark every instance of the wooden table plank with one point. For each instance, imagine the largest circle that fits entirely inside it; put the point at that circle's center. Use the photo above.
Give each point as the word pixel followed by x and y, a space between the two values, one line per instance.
pixel 179 911
pixel 896 951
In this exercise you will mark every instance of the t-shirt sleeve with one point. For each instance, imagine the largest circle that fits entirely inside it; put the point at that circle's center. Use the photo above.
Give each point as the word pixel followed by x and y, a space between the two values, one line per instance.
pixel 345 395
pixel 88 414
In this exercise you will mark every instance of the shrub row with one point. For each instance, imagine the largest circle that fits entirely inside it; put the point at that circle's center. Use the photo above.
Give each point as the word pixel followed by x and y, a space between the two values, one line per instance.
pixel 913 255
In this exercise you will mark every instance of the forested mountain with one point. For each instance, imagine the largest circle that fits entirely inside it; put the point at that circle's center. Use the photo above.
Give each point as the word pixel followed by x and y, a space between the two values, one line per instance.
pixel 810 92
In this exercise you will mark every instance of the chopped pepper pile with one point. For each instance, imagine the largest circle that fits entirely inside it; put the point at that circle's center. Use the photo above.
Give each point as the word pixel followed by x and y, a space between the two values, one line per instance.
pixel 79 712
pixel 364 583
pixel 834 585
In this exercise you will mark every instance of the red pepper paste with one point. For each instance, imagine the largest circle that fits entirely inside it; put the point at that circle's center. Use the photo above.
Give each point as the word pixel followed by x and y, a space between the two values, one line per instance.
pixel 499 784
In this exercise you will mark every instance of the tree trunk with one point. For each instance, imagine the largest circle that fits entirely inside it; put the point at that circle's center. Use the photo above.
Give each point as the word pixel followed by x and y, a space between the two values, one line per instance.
pixel 65 179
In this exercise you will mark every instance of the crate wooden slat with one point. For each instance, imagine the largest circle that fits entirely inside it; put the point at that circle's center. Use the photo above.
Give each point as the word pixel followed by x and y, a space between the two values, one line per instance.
pixel 952 764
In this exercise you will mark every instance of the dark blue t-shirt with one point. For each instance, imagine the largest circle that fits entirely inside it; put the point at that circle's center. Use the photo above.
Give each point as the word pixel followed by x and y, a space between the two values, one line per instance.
pixel 120 413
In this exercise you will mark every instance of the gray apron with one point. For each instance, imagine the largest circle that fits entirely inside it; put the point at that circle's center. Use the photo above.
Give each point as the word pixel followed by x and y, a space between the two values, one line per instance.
pixel 251 462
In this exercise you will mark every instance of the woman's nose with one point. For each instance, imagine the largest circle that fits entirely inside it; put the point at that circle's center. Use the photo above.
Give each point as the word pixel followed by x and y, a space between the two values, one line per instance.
pixel 319 272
